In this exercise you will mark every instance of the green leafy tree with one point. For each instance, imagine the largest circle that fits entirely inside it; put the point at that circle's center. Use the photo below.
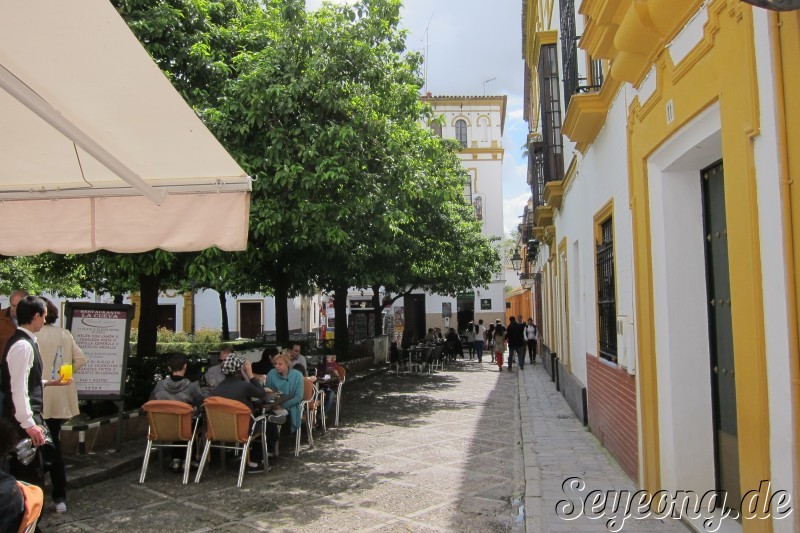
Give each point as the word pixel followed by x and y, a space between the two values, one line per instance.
pixel 39 274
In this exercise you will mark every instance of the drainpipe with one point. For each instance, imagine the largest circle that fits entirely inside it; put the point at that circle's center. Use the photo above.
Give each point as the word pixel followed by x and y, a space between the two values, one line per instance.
pixel 788 237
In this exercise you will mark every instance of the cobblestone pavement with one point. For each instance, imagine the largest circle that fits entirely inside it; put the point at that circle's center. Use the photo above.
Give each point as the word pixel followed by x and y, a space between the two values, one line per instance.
pixel 556 447
pixel 430 452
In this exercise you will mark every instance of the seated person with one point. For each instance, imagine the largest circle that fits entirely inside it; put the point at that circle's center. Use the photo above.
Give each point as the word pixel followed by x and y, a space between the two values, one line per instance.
pixel 262 367
pixel 214 374
pixel 240 385
pixel 297 357
pixel 177 388
pixel 289 382
pixel 327 367
pixel 431 336
pixel 12 501
pixel 453 344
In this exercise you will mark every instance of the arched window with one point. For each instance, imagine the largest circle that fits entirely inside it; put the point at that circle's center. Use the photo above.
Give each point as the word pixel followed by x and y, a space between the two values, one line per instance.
pixel 461 132
pixel 437 128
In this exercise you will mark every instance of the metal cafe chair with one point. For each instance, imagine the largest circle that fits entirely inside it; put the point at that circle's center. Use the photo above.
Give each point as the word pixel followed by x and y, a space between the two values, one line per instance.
pixel 308 408
pixel 230 421
pixel 342 371
pixel 170 426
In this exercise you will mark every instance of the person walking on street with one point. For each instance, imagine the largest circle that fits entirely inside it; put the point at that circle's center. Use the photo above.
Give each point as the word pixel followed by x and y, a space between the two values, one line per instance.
pixel 471 339
pixel 480 339
pixel 515 334
pixel 490 340
pixel 530 338
pixel 499 343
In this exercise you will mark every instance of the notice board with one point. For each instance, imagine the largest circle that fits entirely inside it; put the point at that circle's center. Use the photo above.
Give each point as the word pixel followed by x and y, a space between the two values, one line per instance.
pixel 103 332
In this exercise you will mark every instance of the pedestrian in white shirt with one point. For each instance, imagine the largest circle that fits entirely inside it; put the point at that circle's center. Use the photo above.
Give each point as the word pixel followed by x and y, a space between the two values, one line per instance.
pixel 531 336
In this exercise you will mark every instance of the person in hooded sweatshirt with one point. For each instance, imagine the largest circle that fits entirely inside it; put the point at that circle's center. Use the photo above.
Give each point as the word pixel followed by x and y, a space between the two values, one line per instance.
pixel 177 388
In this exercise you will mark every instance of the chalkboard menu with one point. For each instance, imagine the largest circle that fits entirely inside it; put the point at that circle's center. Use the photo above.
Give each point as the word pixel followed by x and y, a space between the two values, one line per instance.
pixel 363 325
pixel 103 333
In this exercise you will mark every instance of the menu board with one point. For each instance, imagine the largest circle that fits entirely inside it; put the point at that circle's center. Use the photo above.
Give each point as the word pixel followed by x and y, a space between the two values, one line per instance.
pixel 103 333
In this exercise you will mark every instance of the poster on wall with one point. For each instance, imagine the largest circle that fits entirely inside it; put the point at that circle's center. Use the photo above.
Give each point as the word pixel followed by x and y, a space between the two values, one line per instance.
pixel 477 202
pixel 103 332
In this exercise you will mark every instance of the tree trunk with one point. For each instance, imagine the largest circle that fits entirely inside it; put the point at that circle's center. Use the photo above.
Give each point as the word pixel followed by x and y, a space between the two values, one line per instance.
pixel 281 296
pixel 223 307
pixel 148 314
pixel 377 306
pixel 341 339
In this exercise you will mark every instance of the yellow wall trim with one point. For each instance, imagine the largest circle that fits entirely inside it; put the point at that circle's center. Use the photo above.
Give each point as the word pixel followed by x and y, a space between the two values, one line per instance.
pixel 553 193
pixel 566 354
pixel 475 151
pixel 587 112
pixel 571 172
pixel 543 215
pixel 540 38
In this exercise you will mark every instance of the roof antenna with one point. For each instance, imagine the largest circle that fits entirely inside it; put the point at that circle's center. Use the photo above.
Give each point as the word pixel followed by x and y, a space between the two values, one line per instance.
pixel 484 84
pixel 427 46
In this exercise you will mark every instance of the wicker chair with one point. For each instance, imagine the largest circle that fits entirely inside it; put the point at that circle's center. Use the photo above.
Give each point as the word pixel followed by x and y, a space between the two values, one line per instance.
pixel 170 427
pixel 230 421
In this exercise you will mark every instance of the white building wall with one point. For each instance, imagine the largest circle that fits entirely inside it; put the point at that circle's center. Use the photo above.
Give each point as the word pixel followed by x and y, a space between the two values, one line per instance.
pixel 601 176
pixel 773 255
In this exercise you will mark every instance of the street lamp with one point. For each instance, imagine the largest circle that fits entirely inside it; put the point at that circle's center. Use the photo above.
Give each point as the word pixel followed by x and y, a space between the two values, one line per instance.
pixel 516 261
pixel 775 5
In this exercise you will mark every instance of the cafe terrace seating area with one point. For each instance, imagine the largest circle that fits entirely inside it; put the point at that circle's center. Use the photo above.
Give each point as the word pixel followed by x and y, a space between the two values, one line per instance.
pixel 230 425
pixel 424 357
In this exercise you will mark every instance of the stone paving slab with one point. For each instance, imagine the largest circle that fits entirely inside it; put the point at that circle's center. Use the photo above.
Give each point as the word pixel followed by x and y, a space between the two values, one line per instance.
pixel 556 446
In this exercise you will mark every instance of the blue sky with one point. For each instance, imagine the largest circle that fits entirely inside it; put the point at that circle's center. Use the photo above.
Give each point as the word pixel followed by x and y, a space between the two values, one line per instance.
pixel 469 42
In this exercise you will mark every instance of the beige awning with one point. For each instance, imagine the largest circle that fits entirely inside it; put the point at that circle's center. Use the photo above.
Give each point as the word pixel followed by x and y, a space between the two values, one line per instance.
pixel 97 149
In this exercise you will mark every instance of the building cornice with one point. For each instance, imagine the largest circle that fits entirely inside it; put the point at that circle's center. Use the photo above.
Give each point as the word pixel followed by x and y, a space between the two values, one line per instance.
pixel 497 100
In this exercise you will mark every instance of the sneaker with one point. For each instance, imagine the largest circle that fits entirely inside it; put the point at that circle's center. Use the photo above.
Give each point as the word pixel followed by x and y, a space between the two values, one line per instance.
pixel 60 506
pixel 176 466
pixel 255 468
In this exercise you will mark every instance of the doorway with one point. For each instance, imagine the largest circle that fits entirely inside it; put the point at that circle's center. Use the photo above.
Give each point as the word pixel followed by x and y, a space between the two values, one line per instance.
pixel 166 316
pixel 250 324
pixel 414 309
pixel 720 329
pixel 465 306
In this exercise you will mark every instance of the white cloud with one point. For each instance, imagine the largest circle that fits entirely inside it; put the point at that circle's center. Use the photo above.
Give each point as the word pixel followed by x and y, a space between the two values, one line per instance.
pixel 512 210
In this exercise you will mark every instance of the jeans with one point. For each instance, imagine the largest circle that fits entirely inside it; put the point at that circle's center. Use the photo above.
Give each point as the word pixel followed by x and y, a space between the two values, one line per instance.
pixel 479 350
pixel 532 350
pixel 520 351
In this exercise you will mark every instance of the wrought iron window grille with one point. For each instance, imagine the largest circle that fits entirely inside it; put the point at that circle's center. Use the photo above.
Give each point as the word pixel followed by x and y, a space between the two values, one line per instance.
pixel 606 293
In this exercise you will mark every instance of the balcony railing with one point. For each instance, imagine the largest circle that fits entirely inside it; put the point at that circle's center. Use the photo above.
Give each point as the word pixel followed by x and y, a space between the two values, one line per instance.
pixel 573 82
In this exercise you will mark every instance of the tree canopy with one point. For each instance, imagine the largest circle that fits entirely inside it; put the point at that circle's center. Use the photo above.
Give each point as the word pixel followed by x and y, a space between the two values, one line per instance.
pixel 322 109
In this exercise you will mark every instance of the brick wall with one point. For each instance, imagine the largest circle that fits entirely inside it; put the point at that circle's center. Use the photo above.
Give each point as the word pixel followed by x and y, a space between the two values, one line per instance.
pixel 612 412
